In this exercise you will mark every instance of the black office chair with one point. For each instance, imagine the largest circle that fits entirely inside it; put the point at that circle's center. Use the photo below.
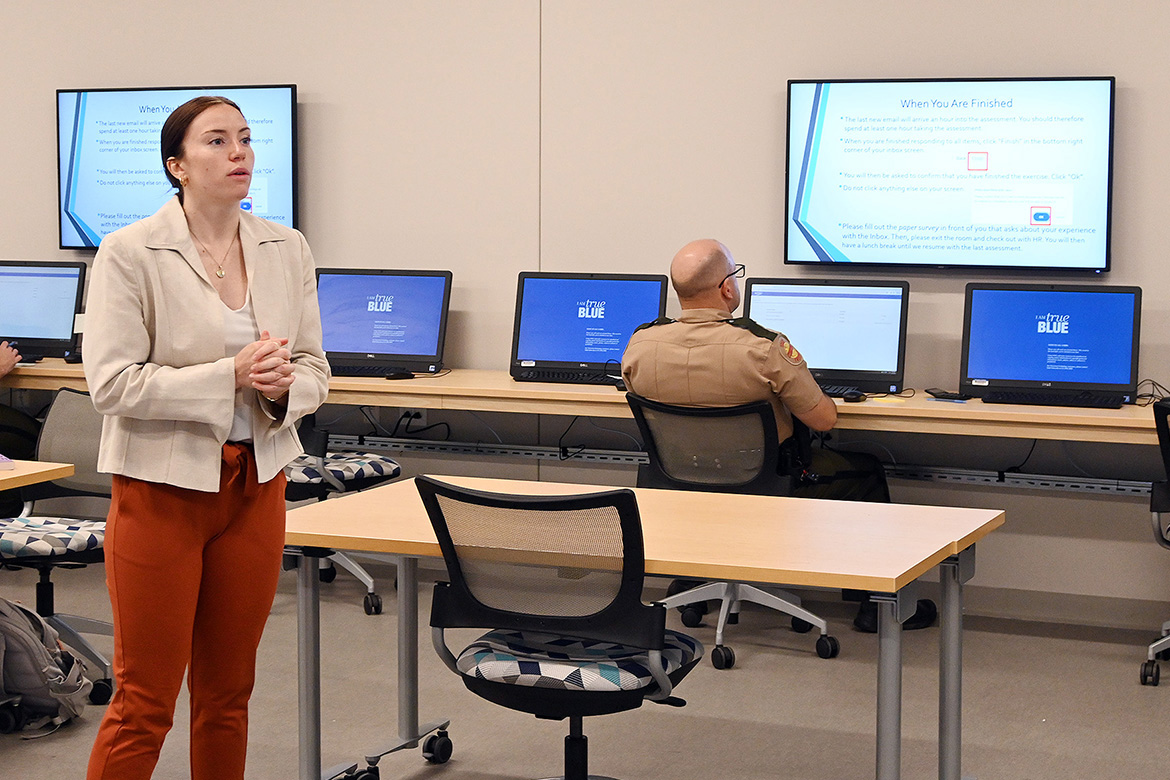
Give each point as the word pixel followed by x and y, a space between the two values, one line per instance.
pixel 18 441
pixel 71 434
pixel 320 473
pixel 1159 504
pixel 725 450
pixel 558 579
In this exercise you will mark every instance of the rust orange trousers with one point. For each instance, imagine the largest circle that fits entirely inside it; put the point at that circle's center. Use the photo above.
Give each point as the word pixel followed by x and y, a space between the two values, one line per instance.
pixel 191 576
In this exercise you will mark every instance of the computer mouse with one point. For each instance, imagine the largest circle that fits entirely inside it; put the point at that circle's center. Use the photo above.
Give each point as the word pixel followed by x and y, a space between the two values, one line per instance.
pixel 853 396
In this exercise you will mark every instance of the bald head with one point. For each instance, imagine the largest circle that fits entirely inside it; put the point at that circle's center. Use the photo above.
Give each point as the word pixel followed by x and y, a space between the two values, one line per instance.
pixel 697 272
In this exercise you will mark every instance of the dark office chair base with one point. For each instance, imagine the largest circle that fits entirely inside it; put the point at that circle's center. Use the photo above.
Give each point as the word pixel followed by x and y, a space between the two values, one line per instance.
pixel 867 617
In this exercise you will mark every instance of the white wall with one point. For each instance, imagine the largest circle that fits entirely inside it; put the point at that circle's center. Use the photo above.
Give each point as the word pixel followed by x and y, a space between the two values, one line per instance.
pixel 491 137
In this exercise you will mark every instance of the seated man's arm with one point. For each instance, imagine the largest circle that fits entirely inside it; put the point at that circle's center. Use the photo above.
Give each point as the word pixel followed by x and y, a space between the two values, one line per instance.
pixel 821 417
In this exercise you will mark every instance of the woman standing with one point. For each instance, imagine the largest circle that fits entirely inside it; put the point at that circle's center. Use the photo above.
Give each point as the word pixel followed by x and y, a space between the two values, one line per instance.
pixel 203 349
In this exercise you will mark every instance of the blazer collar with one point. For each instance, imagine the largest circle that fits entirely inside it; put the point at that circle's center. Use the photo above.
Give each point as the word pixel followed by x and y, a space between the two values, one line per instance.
pixel 169 230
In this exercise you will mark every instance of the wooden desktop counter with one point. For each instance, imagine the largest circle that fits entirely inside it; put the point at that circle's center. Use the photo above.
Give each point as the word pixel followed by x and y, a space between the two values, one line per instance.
pixel 485 390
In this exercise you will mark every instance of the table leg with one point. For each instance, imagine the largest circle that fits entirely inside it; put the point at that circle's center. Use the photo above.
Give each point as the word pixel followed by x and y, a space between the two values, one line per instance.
pixel 408 649
pixel 889 695
pixel 953 572
pixel 309 667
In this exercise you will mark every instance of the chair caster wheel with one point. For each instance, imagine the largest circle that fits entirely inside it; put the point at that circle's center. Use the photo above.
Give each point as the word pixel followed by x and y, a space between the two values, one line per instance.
pixel 327 574
pixel 437 748
pixel 801 626
pixel 369 773
pixel 9 719
pixel 722 657
pixel 828 647
pixel 692 617
pixel 101 692
pixel 372 604
pixel 1150 673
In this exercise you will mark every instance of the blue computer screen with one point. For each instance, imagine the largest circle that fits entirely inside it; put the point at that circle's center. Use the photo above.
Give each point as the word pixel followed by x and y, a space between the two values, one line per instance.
pixel 583 320
pixel 381 314
pixel 1051 336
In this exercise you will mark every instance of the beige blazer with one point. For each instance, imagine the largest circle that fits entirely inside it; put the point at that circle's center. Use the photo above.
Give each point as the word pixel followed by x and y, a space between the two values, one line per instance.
pixel 154 347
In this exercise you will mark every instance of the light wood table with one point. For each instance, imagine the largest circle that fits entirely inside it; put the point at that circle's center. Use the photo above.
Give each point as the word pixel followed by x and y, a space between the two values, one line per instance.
pixel 883 548
pixel 484 390
pixel 30 472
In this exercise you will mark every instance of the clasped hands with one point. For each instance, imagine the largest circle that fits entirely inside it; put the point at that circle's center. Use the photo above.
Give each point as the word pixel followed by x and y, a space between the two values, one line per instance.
pixel 265 365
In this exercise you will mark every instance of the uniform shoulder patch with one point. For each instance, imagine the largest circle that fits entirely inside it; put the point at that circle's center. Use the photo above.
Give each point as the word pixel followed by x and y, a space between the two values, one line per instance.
pixel 652 323
pixel 787 351
pixel 755 328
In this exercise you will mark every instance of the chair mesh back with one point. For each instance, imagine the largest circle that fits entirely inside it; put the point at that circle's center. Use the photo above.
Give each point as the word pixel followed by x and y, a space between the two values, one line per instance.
pixel 708 450
pixel 71 434
pixel 538 562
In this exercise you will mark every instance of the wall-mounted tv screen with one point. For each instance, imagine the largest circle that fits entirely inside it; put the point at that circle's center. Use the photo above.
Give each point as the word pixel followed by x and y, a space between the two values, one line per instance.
pixel 975 173
pixel 110 171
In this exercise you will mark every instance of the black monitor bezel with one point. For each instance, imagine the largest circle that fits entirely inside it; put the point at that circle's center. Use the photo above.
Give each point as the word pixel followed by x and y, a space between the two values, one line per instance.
pixel 51 347
pixel 416 363
pixel 967 382
pixel 868 381
pixel 904 267
pixel 610 366
pixel 209 89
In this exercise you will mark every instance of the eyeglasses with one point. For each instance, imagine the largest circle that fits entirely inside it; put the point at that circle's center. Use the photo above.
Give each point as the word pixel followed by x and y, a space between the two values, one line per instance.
pixel 738 273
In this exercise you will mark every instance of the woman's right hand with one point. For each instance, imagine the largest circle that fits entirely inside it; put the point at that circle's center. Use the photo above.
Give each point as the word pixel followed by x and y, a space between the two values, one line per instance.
pixel 267 354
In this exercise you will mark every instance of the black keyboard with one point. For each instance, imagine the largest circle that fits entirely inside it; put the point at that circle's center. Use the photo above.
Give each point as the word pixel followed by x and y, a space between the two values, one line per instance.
pixel 1048 398
pixel 389 372
pixel 836 391
pixel 571 377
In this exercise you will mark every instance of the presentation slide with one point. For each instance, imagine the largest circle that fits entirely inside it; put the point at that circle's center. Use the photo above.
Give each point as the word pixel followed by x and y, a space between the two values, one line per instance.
pixel 109 161
pixel 381 315
pixel 827 324
pixel 38 302
pixel 583 320
pixel 950 173
pixel 1039 336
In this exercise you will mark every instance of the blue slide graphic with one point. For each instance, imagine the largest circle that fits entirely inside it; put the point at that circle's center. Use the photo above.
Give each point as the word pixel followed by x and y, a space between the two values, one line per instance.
pixel 583 320
pixel 381 315
pixel 1041 336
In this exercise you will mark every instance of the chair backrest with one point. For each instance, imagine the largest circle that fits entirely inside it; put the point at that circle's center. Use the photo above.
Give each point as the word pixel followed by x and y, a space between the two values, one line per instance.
pixel 71 434
pixel 719 449
pixel 18 433
pixel 1160 491
pixel 564 565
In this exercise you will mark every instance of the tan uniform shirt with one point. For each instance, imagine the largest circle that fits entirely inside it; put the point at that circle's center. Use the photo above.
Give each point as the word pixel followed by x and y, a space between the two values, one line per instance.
pixel 703 360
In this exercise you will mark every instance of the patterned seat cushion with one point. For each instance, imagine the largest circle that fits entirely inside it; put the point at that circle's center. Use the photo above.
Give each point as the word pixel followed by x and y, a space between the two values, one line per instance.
pixel 345 466
pixel 546 661
pixel 44 537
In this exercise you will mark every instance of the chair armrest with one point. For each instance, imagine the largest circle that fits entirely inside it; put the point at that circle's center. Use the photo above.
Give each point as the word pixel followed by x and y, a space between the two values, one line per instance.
pixel 665 686
pixel 1161 531
pixel 445 654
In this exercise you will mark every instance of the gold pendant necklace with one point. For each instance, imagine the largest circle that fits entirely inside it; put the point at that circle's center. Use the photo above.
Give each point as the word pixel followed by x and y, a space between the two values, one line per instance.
pixel 219 267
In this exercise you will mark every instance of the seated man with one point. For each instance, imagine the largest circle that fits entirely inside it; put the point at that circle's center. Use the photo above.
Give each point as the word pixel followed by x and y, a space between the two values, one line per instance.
pixel 708 358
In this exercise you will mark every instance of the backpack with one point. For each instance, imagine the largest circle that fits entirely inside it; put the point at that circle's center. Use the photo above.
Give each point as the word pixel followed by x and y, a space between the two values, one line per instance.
pixel 40 682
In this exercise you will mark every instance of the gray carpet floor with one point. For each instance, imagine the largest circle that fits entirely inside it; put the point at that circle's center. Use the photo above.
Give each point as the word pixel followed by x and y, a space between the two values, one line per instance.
pixel 1040 701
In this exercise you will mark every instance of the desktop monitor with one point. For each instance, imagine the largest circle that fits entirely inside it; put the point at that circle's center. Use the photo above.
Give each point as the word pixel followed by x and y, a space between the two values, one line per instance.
pixel 41 299
pixel 381 322
pixel 852 333
pixel 1047 337
pixel 574 327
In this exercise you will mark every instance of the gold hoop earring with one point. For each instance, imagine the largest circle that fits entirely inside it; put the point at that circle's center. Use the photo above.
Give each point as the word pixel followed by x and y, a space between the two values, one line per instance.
pixel 183 182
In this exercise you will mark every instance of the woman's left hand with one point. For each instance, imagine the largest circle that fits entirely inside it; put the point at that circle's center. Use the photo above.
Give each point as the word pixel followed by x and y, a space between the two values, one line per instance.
pixel 271 370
